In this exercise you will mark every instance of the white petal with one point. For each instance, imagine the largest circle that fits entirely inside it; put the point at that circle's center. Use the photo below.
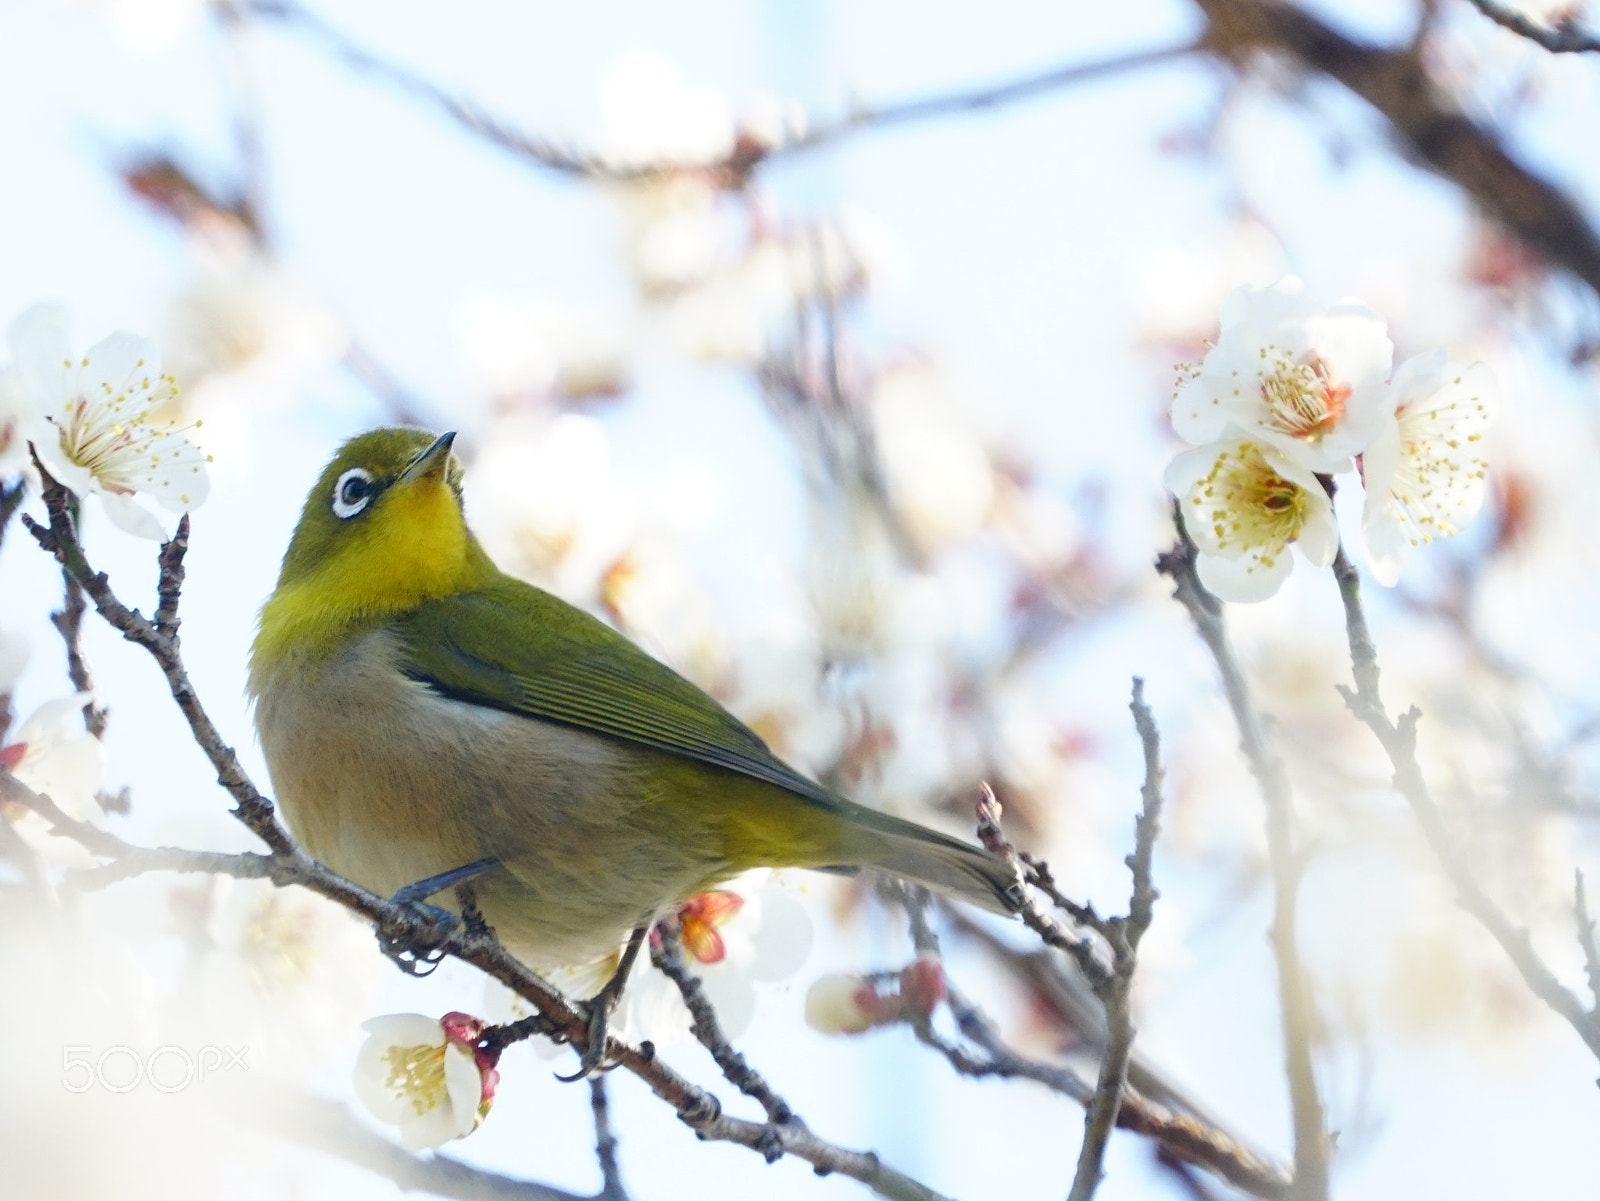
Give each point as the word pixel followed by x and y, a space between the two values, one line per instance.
pixel 41 349
pixel 1245 579
pixel 1353 342
pixel 431 1128
pixel 1280 302
pixel 123 365
pixel 167 467
pixel 48 718
pixel 1319 536
pixel 405 1030
pixel 45 437
pixel 1388 542
pixel 131 517
pixel 464 1083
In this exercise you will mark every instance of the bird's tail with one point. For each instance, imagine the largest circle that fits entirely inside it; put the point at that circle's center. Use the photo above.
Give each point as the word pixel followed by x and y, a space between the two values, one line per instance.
pixel 943 863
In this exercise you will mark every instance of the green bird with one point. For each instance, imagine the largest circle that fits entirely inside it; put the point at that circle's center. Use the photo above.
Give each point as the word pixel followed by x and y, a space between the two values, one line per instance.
pixel 422 711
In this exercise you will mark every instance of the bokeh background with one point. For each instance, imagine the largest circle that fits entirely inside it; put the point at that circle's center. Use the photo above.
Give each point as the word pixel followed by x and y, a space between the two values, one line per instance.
pixel 868 441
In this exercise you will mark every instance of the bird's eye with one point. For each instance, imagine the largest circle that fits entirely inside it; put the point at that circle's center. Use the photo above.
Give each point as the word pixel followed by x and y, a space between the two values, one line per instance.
pixel 352 492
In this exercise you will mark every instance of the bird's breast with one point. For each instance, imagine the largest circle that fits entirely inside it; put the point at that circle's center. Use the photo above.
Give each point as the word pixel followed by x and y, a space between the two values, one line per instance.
pixel 388 783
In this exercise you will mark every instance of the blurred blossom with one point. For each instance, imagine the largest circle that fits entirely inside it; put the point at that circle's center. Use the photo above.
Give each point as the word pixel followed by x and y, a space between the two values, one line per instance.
pixel 650 115
pixel 750 933
pixel 426 1076
pixel 53 754
pixel 1424 472
pixel 1287 373
pixel 546 501
pixel 284 970
pixel 96 431
pixel 1180 287
pixel 1244 503
pixel 939 474
pixel 748 296
pixel 15 414
pixel 536 349
pixel 852 1003
pixel 244 333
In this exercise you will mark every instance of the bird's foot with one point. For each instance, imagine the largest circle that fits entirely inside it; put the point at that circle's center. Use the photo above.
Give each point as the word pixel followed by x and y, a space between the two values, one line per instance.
pixel 602 1005
pixel 592 1058
pixel 412 937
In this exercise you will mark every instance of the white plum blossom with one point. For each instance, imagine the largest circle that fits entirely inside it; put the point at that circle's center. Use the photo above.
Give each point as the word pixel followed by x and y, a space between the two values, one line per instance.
pixel 1306 380
pixel 1244 502
pixel 53 754
pixel 95 430
pixel 1424 472
pixel 426 1075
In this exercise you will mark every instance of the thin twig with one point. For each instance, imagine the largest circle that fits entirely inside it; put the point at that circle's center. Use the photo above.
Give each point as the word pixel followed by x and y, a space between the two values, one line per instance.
pixel 1189 1138
pixel 1591 953
pixel 1399 742
pixel 1566 36
pixel 1124 936
pixel 1294 992
pixel 10 501
pixel 605 1142
pixel 666 953
pixel 68 621
pixel 748 152
pixel 1083 950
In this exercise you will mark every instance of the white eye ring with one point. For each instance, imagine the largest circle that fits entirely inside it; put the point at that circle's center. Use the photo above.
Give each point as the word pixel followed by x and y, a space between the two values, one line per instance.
pixel 352 492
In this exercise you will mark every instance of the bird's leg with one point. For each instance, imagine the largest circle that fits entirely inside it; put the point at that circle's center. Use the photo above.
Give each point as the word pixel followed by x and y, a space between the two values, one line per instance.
pixel 603 1003
pixel 471 916
pixel 413 945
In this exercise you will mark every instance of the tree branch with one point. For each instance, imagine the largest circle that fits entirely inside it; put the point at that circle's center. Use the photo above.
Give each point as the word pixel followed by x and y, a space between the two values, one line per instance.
pixel 1294 992
pixel 1424 120
pixel 1566 36
pixel 748 152
pixel 1399 742
pixel 1124 936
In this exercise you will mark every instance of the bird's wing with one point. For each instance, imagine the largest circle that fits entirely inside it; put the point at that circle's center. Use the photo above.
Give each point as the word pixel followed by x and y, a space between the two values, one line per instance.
pixel 517 648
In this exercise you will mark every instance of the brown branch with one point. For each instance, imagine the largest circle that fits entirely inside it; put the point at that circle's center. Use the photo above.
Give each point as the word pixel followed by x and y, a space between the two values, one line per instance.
pixel 1424 120
pixel 68 621
pixel 666 953
pixel 10 501
pixel 748 152
pixel 1399 742
pixel 1188 1138
pixel 1294 991
pixel 1566 36
pixel 605 1142
pixel 1124 935
pixel 1084 952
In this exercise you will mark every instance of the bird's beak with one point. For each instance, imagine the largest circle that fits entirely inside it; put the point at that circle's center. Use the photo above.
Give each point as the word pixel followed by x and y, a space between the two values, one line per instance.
pixel 430 462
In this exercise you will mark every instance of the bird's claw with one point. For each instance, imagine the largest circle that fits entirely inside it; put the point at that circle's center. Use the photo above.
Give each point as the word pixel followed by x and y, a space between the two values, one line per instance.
pixel 592 1058
pixel 411 938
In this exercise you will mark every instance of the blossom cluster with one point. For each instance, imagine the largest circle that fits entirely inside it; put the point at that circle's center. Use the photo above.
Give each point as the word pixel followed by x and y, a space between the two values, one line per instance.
pixel 1292 394
pixel 94 420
